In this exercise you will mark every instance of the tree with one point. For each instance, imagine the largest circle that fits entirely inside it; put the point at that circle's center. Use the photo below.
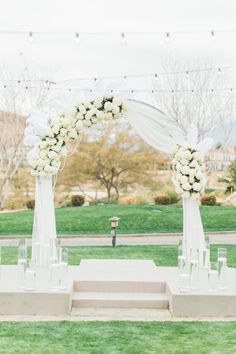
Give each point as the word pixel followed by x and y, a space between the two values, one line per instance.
pixel 16 104
pixel 196 97
pixel 230 179
pixel 117 160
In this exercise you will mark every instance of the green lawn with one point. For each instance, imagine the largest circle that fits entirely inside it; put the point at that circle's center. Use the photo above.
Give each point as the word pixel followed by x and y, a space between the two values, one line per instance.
pixel 93 220
pixel 162 255
pixel 118 338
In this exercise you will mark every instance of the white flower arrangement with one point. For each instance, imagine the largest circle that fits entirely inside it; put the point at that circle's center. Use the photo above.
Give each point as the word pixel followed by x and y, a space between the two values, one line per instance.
pixel 188 164
pixel 49 145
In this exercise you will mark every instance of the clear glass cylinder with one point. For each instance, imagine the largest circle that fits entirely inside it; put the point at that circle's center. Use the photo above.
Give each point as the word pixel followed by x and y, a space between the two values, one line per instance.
pixel 213 277
pixel 222 254
pixel 29 278
pixel 206 258
pixel 54 251
pixel 64 268
pixel 22 251
pixel 55 276
pixel 194 274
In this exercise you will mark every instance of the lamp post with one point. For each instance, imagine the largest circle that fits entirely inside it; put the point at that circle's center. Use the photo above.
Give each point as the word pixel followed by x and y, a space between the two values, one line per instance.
pixel 114 224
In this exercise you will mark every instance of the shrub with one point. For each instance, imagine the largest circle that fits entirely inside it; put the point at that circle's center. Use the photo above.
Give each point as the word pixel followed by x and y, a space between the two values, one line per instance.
pixel 162 199
pixel 209 190
pixel 77 200
pixel 208 199
pixel 127 201
pixel 103 201
pixel 174 197
pixel 30 204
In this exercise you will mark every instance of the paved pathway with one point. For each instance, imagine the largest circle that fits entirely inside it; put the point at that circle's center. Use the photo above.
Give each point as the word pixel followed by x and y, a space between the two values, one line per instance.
pixel 158 239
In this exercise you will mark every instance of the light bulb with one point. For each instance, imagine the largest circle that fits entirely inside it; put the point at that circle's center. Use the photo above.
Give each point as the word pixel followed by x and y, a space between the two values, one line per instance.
pixel 213 35
pixel 77 37
pixel 30 37
pixel 167 38
pixel 123 38
pixel 219 70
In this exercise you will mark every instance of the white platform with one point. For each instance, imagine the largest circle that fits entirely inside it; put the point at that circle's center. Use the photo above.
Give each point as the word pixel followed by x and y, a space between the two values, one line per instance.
pixel 112 284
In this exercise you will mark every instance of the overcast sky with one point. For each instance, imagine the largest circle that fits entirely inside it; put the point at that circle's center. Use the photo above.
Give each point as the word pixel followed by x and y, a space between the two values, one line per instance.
pixel 63 58
pixel 105 55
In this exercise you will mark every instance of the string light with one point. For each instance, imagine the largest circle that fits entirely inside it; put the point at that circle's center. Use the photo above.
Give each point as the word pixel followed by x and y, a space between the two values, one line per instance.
pixel 77 37
pixel 30 37
pixel 219 70
pixel 167 40
pixel 156 76
pixel 187 74
pixel 123 38
pixel 231 89
pixel 213 35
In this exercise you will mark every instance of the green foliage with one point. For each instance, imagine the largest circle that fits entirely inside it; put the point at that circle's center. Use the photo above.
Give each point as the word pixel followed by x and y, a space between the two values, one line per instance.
pixel 208 199
pixel 162 199
pixel 77 200
pixel 30 204
pixel 174 197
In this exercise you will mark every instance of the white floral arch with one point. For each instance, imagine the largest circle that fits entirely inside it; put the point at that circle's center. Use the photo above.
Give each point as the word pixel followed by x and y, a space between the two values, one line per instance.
pixel 48 137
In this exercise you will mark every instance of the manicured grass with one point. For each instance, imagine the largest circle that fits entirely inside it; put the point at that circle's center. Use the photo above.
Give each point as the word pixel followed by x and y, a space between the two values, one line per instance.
pixel 93 220
pixel 162 255
pixel 118 338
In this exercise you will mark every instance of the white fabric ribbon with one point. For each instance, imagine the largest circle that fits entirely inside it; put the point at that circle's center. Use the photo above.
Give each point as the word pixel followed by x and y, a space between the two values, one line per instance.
pixel 163 133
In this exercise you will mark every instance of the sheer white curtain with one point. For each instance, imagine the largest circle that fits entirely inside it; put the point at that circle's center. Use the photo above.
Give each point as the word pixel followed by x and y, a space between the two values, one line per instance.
pixel 162 133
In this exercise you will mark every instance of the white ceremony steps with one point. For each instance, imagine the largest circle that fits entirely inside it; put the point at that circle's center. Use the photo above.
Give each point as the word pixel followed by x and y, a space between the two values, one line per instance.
pixel 119 284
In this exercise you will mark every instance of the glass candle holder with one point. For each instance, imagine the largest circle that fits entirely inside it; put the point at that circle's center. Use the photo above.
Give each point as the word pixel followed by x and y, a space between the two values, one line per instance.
pixel 213 277
pixel 64 268
pixel 194 274
pixel 22 251
pixel 29 278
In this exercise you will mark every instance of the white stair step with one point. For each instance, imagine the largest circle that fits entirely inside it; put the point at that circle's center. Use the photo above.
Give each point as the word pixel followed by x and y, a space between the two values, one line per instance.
pixel 120 300
pixel 119 286
pixel 128 314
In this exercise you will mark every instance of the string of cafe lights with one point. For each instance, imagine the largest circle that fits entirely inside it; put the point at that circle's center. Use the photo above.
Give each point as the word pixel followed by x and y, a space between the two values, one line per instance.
pixel 127 91
pixel 156 75
pixel 124 35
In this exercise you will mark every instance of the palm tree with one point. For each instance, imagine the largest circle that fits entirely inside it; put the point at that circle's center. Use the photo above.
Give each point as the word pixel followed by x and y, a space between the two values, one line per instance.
pixel 230 179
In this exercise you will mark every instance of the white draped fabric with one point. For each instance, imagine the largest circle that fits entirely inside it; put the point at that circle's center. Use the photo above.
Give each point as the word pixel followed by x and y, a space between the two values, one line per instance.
pixel 159 131
pixel 44 228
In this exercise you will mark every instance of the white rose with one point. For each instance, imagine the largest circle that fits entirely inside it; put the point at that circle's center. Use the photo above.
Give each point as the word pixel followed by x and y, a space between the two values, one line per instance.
pixel 116 101
pixel 43 154
pixel 55 128
pixel 80 116
pixel 186 195
pixel 191 179
pixel 109 116
pixel 56 148
pixel 97 103
pixel 188 155
pixel 179 190
pixel 51 141
pixel 178 167
pixel 192 172
pixel 41 162
pixel 184 162
pixel 185 170
pixel 43 144
pixel 186 186
pixel 100 115
pixel 124 107
pixel 73 134
pixel 94 120
pixel 183 179
pixel 87 123
pixel 82 109
pixel 193 163
pixel 197 156
pixel 199 174
pixel 197 186
pixel 116 110
pixel 88 115
pixel 79 125
pixel 87 105
pixel 108 106
pixel 52 154
pixel 63 132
